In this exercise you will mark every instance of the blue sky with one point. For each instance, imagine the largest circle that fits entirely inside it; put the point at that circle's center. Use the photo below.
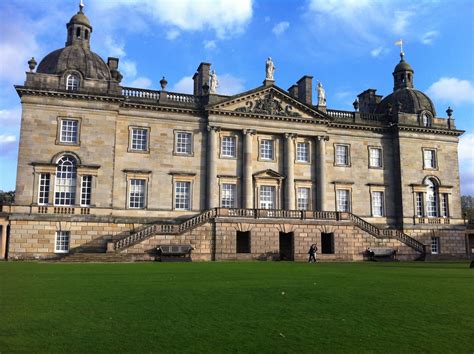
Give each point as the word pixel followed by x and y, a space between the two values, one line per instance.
pixel 348 45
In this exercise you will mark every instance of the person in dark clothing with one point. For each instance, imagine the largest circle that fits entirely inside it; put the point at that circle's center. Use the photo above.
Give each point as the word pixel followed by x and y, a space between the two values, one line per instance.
pixel 312 253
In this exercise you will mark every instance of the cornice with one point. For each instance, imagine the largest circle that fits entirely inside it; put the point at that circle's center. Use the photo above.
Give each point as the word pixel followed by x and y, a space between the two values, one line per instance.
pixel 268 117
pixel 161 108
pixel 21 90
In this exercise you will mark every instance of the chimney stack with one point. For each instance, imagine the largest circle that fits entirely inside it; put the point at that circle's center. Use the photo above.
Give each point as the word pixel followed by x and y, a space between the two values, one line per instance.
pixel 201 77
pixel 305 89
pixel 293 91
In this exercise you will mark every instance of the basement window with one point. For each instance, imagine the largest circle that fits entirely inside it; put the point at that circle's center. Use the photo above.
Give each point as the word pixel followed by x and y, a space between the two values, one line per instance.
pixel 243 241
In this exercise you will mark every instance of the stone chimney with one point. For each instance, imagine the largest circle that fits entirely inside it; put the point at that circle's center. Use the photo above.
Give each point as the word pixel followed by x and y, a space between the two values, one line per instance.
pixel 201 77
pixel 305 92
pixel 293 91
pixel 368 101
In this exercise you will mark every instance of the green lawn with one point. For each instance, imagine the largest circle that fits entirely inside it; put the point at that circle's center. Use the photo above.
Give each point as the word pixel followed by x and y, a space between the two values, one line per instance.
pixel 236 307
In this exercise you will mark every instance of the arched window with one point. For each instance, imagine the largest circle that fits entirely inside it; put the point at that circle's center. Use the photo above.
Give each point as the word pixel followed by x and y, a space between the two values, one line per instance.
pixel 431 198
pixel 426 119
pixel 78 32
pixel 65 185
pixel 72 82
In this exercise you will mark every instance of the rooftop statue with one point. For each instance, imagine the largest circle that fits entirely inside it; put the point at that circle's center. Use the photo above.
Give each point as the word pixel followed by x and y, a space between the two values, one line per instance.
pixel 321 95
pixel 270 69
pixel 214 82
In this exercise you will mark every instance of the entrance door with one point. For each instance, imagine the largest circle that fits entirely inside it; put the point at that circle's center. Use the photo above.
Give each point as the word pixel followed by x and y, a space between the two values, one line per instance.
pixel 286 246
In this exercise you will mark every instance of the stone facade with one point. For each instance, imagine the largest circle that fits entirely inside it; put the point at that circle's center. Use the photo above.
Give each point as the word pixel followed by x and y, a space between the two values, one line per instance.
pixel 106 167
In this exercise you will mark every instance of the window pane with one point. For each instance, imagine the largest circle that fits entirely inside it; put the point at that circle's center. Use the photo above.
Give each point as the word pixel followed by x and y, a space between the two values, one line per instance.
pixel 65 186
pixel 43 191
pixel 69 130
pixel 430 158
pixel 342 197
pixel 375 157
pixel 62 241
pixel 431 200
pixel 302 202
pixel 266 150
pixel 419 204
pixel 86 190
pixel 302 152
pixel 228 195
pixel 377 203
pixel 228 147
pixel 444 205
pixel 267 197
pixel 183 143
pixel 182 195
pixel 342 156
pixel 137 193
pixel 434 245
pixel 72 83
pixel 139 139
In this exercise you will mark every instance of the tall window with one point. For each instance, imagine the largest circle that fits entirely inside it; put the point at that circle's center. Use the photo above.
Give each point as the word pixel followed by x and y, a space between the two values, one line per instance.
pixel 137 194
pixel 302 198
pixel 182 195
pixel 342 199
pixel 228 195
pixel 267 197
pixel 43 191
pixel 429 156
pixel 61 242
pixel 444 205
pixel 375 157
pixel 419 205
pixel 228 146
pixel 72 82
pixel 139 139
pixel 184 143
pixel 69 131
pixel 431 199
pixel 342 155
pixel 65 186
pixel 267 150
pixel 377 204
pixel 434 245
pixel 302 152
pixel 86 190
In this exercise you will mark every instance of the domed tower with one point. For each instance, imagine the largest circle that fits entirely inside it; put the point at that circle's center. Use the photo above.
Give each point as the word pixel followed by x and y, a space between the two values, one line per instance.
pixel 75 67
pixel 403 74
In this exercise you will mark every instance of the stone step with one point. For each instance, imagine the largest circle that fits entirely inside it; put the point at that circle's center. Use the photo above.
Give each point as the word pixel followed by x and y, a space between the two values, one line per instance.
pixel 97 257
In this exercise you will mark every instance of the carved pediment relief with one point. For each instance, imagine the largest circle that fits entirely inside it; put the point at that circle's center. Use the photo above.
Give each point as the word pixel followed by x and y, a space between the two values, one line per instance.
pixel 269 173
pixel 268 101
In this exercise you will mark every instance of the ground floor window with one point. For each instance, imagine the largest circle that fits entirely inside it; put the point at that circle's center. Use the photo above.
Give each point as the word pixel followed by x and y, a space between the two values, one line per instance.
pixel 243 241
pixel 61 244
pixel 327 242
pixel 435 245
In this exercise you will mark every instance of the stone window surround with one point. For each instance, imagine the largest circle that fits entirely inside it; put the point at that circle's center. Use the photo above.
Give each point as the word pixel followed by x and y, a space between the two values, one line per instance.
pixel 305 184
pixel 343 185
pixel 88 194
pixel 380 189
pixel 137 174
pixel 348 155
pixel 271 183
pixel 175 142
pixel 275 141
pixel 182 177
pixel 148 134
pixel 221 138
pixel 59 120
pixel 369 149
pixel 422 188
pixel 224 179
pixel 423 149
pixel 310 147
pixel 63 79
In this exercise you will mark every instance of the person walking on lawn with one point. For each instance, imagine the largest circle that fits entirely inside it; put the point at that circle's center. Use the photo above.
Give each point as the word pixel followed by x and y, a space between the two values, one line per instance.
pixel 312 253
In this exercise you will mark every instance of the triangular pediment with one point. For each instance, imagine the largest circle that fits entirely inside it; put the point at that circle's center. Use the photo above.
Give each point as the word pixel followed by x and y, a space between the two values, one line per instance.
pixel 269 173
pixel 269 101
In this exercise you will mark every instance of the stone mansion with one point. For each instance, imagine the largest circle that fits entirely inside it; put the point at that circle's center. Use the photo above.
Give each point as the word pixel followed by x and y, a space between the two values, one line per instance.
pixel 113 172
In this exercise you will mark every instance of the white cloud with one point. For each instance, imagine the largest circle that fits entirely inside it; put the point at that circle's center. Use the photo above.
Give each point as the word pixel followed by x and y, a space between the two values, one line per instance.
pixel 401 21
pixel 230 85
pixel 7 138
pixel 429 37
pixel 114 48
pixel 376 52
pixel 129 69
pixel 141 82
pixel 171 35
pixel 280 28
pixel 452 90
pixel 10 116
pixel 185 85
pixel 466 163
pixel 7 143
pixel 209 44
pixel 225 17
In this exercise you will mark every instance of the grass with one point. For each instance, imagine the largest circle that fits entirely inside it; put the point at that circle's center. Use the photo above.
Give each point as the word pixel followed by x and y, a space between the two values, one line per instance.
pixel 236 307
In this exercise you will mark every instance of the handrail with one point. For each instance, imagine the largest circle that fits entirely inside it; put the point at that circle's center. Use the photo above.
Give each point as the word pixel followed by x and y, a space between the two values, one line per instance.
pixel 176 229
pixel 340 114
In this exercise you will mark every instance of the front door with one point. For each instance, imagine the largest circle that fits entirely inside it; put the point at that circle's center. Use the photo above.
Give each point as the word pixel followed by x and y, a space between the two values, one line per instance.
pixel 286 246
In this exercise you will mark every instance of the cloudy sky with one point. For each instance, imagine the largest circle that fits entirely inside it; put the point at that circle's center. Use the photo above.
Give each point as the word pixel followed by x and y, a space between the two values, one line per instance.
pixel 348 45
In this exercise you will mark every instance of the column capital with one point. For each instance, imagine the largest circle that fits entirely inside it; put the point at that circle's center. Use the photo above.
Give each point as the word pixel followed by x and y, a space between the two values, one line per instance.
pixel 291 135
pixel 322 138
pixel 249 131
pixel 214 128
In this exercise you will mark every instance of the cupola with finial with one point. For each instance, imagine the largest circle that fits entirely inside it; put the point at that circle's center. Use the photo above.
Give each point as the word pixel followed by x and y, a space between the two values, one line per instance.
pixel 79 29
pixel 403 73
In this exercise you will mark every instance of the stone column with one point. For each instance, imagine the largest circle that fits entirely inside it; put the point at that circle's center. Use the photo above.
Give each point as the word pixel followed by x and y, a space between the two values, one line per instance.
pixel 4 241
pixel 321 174
pixel 212 186
pixel 247 171
pixel 290 171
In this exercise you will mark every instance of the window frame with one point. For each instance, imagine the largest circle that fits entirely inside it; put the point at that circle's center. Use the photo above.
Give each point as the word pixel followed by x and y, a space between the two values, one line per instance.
pixel 130 190
pixel 73 186
pixel 86 190
pixel 434 159
pixel 175 195
pixel 349 201
pixel 44 189
pixel 234 195
pixel 274 195
pixel 60 137
pixel 75 84
pixel 65 246
pixel 347 162
pixel 223 154
pixel 435 245
pixel 308 152
pixel 132 129
pixel 377 148
pixel 382 203
pixel 308 199
pixel 176 143
pixel 261 149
